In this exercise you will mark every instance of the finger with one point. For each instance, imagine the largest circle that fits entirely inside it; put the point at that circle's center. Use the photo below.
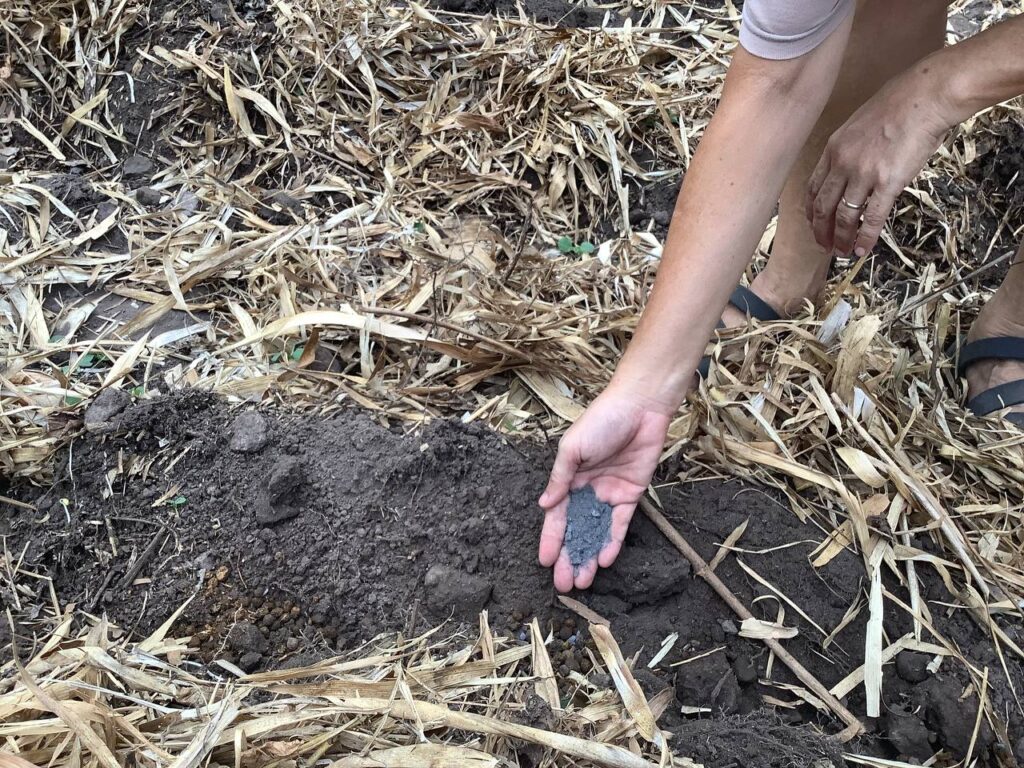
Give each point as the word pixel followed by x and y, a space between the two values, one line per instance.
pixel 874 220
pixel 563 575
pixel 824 209
pixel 621 516
pixel 585 574
pixel 563 471
pixel 848 219
pixel 814 185
pixel 552 534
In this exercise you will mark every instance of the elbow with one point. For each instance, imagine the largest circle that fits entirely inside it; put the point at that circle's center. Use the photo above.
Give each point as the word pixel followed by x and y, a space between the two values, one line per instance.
pixel 789 82
pixel 801 82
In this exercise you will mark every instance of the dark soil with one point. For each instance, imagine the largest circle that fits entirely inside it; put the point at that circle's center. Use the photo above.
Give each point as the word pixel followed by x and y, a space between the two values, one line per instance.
pixel 301 536
pixel 998 173
pixel 753 742
pixel 655 203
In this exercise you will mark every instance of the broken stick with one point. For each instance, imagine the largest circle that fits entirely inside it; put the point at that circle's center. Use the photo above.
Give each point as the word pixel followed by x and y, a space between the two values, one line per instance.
pixel 854 726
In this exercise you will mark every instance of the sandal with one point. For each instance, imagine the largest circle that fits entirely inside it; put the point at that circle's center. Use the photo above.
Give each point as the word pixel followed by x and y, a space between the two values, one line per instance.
pixel 745 300
pixel 1005 395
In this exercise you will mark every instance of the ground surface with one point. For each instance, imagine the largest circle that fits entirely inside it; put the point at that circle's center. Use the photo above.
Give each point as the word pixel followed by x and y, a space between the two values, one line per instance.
pixel 297 536
pixel 300 536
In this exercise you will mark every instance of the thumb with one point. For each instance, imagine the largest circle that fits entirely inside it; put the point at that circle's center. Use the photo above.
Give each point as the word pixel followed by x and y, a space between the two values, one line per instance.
pixel 567 461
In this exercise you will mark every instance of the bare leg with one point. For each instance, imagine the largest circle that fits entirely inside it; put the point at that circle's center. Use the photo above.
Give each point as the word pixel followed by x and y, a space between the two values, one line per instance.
pixel 1002 316
pixel 888 36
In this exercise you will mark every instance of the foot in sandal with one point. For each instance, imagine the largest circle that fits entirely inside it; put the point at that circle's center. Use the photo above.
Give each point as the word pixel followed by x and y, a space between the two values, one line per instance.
pixel 772 296
pixel 992 361
pixel 785 293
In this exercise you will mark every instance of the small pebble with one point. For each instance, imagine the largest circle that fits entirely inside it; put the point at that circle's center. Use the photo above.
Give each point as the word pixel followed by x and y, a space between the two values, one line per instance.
pixel 136 165
pixel 249 661
pixel 148 196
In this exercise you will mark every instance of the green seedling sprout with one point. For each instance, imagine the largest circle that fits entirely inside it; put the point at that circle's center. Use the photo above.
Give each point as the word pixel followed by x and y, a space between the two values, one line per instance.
pixel 566 245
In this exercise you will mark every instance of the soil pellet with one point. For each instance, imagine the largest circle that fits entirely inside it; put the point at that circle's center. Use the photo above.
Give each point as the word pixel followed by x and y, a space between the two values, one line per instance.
pixel 588 526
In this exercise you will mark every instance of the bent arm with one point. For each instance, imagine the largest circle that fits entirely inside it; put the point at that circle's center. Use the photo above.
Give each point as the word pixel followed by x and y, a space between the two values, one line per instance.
pixel 767 111
pixel 981 71
pixel 886 142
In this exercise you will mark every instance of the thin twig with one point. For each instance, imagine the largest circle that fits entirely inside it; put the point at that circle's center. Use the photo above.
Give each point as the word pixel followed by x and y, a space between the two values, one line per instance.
pixel 854 726
pixel 921 300
pixel 152 548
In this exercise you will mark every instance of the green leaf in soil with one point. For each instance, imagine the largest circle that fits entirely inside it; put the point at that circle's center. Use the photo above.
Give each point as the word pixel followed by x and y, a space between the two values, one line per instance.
pixel 297 352
pixel 586 247
pixel 565 244
pixel 93 360
pixel 420 227
pixel 178 501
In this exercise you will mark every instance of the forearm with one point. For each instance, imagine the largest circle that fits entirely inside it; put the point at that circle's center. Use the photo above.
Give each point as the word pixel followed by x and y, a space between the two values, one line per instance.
pixel 979 72
pixel 767 110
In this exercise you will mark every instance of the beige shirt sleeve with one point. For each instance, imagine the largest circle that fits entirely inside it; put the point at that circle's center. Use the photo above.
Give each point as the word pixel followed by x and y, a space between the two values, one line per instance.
pixel 785 29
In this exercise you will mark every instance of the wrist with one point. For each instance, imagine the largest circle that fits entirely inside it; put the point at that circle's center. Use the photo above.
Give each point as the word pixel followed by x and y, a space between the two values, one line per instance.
pixel 945 87
pixel 650 389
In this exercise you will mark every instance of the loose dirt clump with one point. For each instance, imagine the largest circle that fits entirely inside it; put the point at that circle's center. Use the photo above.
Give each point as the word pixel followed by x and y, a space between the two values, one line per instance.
pixel 759 740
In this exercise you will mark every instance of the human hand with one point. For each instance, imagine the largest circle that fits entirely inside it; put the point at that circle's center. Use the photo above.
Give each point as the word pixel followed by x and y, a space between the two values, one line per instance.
pixel 614 447
pixel 870 159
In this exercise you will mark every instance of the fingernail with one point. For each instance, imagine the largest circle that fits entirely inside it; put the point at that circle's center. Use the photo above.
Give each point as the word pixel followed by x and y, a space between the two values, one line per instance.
pixel 859 251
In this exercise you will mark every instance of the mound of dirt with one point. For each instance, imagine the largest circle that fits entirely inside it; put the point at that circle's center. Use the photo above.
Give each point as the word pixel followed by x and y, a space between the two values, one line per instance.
pixel 300 535
pixel 760 740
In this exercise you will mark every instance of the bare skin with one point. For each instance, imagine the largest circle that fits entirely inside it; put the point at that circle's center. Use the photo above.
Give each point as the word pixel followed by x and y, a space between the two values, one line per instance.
pixel 886 39
pixel 887 141
pixel 1003 315
pixel 726 201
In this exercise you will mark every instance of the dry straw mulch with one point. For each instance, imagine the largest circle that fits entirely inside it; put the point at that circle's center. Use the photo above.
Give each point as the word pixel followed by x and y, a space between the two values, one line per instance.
pixel 430 164
pixel 90 697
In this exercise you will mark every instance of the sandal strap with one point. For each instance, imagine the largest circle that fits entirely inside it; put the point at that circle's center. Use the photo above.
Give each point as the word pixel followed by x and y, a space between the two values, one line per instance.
pixel 995 348
pixel 748 302
pixel 1015 418
pixel 997 398
pixel 745 300
pixel 704 366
